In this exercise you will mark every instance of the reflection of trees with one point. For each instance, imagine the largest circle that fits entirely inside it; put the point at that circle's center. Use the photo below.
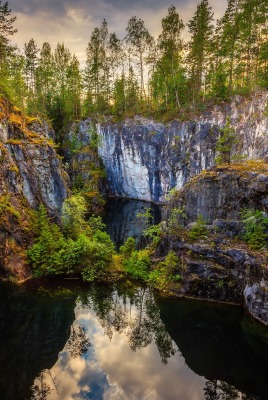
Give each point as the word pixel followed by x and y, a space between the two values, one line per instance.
pixel 41 389
pixel 78 343
pixel 219 390
pixel 133 311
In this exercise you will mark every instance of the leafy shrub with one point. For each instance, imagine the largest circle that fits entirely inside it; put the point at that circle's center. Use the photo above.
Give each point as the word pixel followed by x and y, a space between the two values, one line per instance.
pixel 153 233
pixel 138 264
pixel 73 215
pixel 89 252
pixel 255 225
pixel 225 143
pixel 46 254
pixel 175 220
pixel 199 230
pixel 166 272
pixel 128 247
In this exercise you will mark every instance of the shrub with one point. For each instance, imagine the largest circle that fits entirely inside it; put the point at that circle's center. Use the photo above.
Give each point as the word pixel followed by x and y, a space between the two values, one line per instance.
pixel 255 225
pixel 73 215
pixel 199 230
pixel 138 264
pixel 166 272
pixel 128 247
pixel 89 252
pixel 225 143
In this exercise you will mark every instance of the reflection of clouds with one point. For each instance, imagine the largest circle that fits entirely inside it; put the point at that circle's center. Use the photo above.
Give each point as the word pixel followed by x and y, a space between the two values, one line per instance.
pixel 110 370
pixel 141 375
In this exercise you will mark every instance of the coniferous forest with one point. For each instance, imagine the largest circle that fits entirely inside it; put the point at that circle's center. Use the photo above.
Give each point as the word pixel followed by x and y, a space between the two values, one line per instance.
pixel 140 74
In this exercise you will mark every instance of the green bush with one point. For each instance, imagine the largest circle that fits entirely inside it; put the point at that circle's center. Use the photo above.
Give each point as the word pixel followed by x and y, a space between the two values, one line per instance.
pixel 255 225
pixel 199 230
pixel 166 272
pixel 128 247
pixel 138 264
pixel 89 253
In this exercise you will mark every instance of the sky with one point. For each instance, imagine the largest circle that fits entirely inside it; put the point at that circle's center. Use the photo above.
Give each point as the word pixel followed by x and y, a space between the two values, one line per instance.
pixel 72 21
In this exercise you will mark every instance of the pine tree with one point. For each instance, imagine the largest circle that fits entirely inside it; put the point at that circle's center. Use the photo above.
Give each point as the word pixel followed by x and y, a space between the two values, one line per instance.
pixel 6 28
pixel 97 74
pixel 201 28
pixel 7 52
pixel 31 61
pixel 168 79
pixel 226 50
pixel 139 40
pixel 45 79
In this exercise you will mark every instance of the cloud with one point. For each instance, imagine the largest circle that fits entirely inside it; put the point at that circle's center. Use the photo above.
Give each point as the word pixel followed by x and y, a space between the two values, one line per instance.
pixel 110 370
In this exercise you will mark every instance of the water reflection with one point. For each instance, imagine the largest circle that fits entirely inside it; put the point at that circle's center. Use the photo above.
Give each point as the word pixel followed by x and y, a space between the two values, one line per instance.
pixel 122 221
pixel 126 336
pixel 124 342
pixel 33 329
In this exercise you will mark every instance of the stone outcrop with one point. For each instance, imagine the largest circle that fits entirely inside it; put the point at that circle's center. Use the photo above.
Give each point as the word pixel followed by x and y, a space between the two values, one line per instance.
pixel 222 193
pixel 30 174
pixel 145 159
pixel 256 300
pixel 220 266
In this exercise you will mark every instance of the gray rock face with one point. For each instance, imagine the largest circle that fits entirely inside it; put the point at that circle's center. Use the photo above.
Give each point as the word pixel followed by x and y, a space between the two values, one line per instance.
pixel 222 194
pixel 145 159
pixel 256 300
pixel 30 174
pixel 31 168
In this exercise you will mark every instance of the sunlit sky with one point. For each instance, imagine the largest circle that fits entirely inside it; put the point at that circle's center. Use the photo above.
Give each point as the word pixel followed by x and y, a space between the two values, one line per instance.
pixel 72 21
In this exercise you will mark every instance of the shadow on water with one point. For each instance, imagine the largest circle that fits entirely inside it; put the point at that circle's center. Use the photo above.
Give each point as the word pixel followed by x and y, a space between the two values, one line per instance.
pixel 222 344
pixel 122 221
pixel 33 329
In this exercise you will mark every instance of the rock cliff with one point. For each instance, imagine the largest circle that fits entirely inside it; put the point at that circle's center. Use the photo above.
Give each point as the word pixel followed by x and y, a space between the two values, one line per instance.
pixel 219 265
pixel 144 159
pixel 30 174
pixel 223 192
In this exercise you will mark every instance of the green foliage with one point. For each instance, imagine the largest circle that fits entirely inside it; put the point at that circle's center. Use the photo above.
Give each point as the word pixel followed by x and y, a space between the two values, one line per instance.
pixel 46 256
pixel 138 264
pixel 175 220
pixel 166 272
pixel 88 252
pixel 225 143
pixel 128 247
pixel 73 215
pixel 199 230
pixel 255 228
pixel 153 233
pixel 96 224
pixel 219 60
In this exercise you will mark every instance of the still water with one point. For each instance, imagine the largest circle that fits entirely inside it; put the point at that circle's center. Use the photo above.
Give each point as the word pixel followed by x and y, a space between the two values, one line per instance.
pixel 67 340
pixel 125 342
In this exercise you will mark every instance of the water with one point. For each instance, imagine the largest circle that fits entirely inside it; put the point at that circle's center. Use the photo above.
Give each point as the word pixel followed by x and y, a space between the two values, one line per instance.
pixel 121 218
pixel 73 341
pixel 67 340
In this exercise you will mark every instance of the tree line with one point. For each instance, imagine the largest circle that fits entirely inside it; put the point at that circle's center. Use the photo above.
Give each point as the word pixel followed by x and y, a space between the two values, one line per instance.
pixel 140 73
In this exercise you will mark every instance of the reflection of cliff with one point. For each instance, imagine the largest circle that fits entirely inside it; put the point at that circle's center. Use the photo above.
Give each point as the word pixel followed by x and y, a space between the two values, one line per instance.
pixel 122 220
pixel 33 329
pixel 214 345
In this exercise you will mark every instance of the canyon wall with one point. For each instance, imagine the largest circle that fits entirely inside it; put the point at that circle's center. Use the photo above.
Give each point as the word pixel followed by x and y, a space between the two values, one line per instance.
pixel 145 159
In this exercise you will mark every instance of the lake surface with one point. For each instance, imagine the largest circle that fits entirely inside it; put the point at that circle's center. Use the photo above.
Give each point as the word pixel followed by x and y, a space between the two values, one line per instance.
pixel 67 340
pixel 75 341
